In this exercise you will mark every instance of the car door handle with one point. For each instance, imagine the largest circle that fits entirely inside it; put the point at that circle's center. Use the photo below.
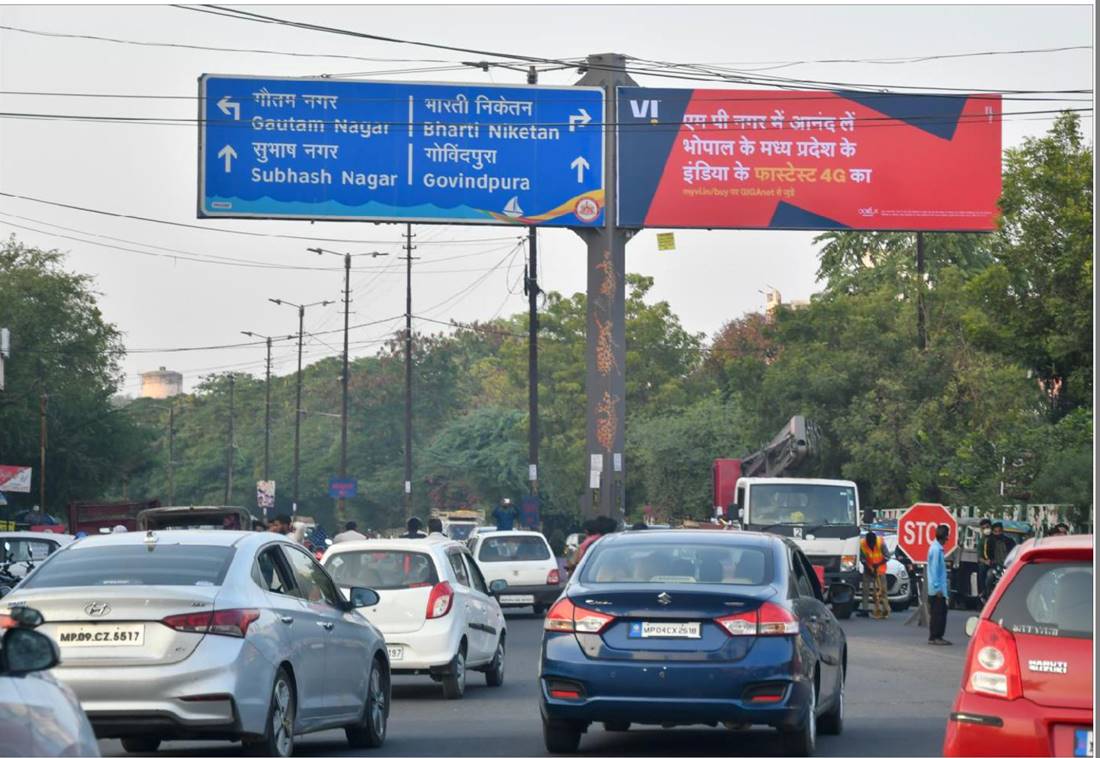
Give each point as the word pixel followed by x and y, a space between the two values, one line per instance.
pixel 286 619
pixel 326 624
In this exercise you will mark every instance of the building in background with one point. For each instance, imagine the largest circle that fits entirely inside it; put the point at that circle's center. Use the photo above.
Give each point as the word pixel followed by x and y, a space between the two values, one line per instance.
pixel 161 383
pixel 773 301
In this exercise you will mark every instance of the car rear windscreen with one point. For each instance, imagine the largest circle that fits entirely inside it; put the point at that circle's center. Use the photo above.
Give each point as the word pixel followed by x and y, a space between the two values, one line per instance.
pixel 513 548
pixel 122 565
pixel 383 569
pixel 1052 599
pixel 679 563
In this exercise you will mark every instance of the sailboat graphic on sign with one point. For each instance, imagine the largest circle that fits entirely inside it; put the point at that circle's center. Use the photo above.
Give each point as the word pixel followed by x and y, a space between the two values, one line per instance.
pixel 512 209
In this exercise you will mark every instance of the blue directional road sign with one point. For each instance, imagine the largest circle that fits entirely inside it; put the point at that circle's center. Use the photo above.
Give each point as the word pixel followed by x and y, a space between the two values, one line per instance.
pixel 389 151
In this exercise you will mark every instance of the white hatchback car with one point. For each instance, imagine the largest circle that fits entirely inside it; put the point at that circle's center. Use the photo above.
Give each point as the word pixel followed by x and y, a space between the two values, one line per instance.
pixel 525 562
pixel 437 612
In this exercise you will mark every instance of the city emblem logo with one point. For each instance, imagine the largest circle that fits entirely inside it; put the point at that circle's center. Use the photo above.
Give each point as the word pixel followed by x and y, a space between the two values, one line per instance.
pixel 587 209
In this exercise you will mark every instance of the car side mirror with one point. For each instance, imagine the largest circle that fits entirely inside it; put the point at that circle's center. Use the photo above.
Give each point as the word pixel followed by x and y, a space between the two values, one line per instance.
pixel 26 650
pixel 26 617
pixel 363 597
pixel 971 626
pixel 840 593
pixel 497 586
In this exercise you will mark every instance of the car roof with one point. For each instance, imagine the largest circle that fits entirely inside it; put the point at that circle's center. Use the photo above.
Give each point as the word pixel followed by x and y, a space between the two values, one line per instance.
pixel 795 480
pixel 395 543
pixel 710 536
pixel 513 533
pixel 1055 544
pixel 52 536
pixel 223 537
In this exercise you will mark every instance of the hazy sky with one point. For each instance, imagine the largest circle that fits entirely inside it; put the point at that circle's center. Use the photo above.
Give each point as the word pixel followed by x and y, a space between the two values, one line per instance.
pixel 150 170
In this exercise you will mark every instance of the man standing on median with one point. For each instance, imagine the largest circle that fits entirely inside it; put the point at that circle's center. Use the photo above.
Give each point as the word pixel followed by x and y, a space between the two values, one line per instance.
pixel 505 516
pixel 937 588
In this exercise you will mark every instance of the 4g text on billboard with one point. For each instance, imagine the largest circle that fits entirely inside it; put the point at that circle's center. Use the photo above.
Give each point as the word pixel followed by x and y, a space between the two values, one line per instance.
pixel 396 151
pixel 812 160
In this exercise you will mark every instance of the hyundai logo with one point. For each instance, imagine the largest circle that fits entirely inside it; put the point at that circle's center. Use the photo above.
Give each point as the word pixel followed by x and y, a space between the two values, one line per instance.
pixel 97 609
pixel 664 598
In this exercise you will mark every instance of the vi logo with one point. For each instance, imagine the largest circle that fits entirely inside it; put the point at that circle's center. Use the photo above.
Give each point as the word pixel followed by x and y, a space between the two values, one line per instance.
pixel 644 108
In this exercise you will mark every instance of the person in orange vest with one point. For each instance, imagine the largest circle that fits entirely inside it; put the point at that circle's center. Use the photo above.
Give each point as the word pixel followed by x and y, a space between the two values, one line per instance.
pixel 872 553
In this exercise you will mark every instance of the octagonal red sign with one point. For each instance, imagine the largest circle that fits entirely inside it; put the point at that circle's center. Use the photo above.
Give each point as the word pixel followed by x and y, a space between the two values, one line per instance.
pixel 917 530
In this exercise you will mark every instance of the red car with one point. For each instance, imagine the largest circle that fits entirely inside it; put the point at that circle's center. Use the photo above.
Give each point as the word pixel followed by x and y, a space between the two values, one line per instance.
pixel 1027 683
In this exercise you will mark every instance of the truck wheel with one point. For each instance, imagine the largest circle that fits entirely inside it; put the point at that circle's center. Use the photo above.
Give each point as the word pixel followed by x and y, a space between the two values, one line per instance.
pixel 844 610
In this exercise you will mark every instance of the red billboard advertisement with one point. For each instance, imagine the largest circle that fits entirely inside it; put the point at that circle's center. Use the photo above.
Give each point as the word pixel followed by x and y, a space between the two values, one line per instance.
pixel 815 160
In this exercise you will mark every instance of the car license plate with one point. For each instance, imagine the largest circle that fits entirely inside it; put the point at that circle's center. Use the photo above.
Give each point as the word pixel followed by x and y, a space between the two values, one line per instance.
pixel 670 629
pixel 101 635
pixel 396 652
pixel 1082 743
pixel 517 599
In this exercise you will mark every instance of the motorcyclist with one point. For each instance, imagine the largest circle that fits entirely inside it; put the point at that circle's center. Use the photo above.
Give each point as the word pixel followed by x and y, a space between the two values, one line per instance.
pixel 995 550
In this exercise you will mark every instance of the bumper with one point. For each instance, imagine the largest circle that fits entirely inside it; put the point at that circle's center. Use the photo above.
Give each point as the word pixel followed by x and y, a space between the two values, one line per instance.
pixel 432 646
pixel 980 725
pixel 544 594
pixel 669 692
pixel 897 591
pixel 160 700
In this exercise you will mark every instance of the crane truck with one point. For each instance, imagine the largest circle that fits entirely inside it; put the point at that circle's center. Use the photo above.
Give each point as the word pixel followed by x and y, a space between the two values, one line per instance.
pixel 822 516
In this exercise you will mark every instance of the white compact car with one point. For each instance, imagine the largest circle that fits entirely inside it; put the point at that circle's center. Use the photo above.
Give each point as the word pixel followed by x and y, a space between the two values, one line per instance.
pixel 194 634
pixel 525 561
pixel 38 714
pixel 21 552
pixel 438 614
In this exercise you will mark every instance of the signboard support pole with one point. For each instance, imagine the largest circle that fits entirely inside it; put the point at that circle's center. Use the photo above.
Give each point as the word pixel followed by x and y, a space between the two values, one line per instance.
pixel 920 613
pixel 605 381
pixel 531 285
pixel 267 414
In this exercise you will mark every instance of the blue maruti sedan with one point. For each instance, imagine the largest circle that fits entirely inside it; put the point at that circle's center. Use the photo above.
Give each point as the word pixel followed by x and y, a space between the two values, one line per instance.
pixel 686 627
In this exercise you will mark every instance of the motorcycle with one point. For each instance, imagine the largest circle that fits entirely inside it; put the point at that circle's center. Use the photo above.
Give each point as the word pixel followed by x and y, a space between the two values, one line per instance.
pixel 994 575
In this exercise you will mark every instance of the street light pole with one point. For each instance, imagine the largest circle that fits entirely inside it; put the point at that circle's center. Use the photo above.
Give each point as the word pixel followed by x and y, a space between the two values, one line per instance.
pixel 341 515
pixel 267 399
pixel 298 397
pixel 409 247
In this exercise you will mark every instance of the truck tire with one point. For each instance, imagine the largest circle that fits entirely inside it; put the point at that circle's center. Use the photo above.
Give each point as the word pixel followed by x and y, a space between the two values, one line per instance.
pixel 844 610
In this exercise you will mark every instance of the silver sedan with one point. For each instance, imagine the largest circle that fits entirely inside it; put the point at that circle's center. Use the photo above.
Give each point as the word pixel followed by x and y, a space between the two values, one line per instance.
pixel 210 634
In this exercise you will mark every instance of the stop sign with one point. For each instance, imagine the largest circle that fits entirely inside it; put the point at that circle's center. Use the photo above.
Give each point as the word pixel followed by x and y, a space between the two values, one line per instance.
pixel 917 530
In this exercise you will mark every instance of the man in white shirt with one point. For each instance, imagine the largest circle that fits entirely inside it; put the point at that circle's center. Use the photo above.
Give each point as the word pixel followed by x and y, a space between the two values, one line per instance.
pixel 435 530
pixel 350 533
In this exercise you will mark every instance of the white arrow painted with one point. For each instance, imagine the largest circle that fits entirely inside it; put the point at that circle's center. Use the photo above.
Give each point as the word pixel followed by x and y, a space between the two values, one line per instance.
pixel 580 164
pixel 225 105
pixel 581 118
pixel 228 153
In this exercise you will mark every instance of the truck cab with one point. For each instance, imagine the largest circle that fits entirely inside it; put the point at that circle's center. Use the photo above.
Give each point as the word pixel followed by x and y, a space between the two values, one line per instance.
pixel 821 515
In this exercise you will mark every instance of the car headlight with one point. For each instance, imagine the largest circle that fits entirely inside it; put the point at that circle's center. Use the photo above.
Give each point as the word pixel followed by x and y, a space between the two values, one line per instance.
pixel 902 573
pixel 847 563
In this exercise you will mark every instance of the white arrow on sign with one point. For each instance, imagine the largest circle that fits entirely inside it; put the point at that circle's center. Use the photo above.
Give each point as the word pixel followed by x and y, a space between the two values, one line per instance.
pixel 581 118
pixel 225 104
pixel 580 164
pixel 228 153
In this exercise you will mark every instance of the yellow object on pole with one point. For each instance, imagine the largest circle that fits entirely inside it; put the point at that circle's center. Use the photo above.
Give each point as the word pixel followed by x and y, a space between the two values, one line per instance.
pixel 666 241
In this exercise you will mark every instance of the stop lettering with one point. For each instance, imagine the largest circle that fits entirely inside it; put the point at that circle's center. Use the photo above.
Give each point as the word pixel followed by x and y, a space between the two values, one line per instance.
pixel 917 530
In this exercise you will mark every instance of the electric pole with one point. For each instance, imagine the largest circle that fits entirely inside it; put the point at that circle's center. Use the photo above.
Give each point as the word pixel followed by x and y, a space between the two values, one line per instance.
pixel 42 401
pixel 267 399
pixel 172 453
pixel 922 334
pixel 408 369
pixel 531 287
pixel 341 514
pixel 230 444
pixel 298 392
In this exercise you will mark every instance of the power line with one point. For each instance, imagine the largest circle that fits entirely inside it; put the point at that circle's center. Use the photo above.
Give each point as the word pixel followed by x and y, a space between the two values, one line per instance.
pixel 900 59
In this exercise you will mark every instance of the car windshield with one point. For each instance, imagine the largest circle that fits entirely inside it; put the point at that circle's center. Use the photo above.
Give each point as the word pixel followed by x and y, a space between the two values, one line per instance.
pixel 801 504
pixel 513 548
pixel 383 569
pixel 14 550
pixel 678 563
pixel 110 565
pixel 459 531
pixel 1050 599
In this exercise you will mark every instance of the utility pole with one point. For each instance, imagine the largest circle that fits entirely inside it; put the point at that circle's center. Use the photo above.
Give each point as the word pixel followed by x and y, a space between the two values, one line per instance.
pixel 42 401
pixel 341 513
pixel 172 453
pixel 531 287
pixel 230 444
pixel 267 399
pixel 922 334
pixel 605 378
pixel 298 392
pixel 409 247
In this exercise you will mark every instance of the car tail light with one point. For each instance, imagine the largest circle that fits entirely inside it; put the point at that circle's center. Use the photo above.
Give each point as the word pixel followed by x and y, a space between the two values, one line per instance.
pixel 769 620
pixel 994 666
pixel 563 690
pixel 231 623
pixel 554 577
pixel 440 601
pixel 564 616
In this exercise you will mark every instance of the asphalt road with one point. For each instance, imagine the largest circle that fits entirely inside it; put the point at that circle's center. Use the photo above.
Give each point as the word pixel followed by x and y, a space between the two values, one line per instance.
pixel 899 693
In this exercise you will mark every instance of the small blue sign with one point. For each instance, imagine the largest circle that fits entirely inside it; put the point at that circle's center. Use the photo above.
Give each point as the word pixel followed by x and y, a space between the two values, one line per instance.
pixel 344 488
pixel 634 631
pixel 397 151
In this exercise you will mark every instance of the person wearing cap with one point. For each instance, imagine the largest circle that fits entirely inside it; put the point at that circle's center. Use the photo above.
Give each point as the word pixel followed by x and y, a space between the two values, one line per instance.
pixel 505 515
